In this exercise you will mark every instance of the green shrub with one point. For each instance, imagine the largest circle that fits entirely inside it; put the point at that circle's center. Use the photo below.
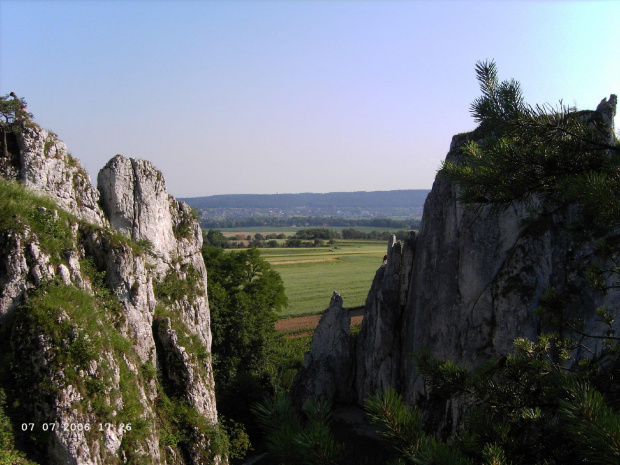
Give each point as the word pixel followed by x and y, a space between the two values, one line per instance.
pixel 184 228
pixel 238 440
pixel 172 288
pixel 181 424
pixel 293 439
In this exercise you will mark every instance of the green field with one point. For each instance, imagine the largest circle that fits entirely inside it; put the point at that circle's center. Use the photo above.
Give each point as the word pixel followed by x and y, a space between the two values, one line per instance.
pixel 311 275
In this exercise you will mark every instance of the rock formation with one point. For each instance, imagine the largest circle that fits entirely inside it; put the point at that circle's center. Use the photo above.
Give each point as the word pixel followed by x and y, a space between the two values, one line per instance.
pixel 378 344
pixel 327 370
pixel 478 278
pixel 469 284
pixel 94 303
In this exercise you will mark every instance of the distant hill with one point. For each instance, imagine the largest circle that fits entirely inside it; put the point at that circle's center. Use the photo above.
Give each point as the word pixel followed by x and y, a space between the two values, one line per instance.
pixel 410 199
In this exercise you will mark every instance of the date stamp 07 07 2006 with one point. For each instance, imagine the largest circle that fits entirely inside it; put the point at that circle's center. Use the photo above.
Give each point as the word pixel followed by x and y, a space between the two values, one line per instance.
pixel 103 427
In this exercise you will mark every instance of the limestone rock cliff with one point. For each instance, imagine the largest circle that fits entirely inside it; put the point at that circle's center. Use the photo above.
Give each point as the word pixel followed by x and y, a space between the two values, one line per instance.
pixel 469 284
pixel 104 311
pixel 378 344
pixel 478 277
pixel 327 370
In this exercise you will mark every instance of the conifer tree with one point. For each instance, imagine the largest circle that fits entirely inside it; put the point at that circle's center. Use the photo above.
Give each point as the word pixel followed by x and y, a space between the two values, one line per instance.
pixel 541 155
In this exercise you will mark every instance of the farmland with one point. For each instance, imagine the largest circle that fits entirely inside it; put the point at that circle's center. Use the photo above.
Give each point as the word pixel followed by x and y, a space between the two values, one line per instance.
pixel 311 275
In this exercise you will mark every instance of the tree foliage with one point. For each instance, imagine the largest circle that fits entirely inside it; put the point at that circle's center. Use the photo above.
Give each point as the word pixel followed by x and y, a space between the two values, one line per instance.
pixel 244 295
pixel 293 440
pixel 215 238
pixel 296 438
pixel 12 109
pixel 540 155
pixel 316 233
pixel 593 425
pixel 521 409
pixel 402 427
pixel 13 114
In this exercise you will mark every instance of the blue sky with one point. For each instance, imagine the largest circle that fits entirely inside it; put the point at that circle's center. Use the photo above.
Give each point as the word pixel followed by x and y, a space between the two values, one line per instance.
pixel 291 96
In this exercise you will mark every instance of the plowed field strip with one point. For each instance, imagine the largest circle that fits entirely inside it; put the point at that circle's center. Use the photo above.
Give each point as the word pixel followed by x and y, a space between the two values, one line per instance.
pixel 310 322
pixel 292 262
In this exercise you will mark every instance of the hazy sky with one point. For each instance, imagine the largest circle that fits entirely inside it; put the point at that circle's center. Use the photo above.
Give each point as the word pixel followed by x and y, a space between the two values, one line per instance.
pixel 291 96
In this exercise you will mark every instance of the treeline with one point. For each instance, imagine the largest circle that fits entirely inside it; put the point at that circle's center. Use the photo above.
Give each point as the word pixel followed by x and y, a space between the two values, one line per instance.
pixel 348 234
pixel 313 237
pixel 317 233
pixel 356 234
pixel 276 222
pixel 215 238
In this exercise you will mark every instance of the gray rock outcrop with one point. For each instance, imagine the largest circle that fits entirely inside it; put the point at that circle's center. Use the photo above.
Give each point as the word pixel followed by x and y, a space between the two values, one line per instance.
pixel 328 370
pixel 24 267
pixel 135 268
pixel 186 371
pixel 469 284
pixel 378 344
pixel 607 109
pixel 135 200
pixel 478 278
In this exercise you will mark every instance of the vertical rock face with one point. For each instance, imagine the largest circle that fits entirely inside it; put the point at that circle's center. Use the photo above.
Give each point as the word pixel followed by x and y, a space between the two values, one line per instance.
pixel 329 366
pixel 187 374
pixel 469 284
pixel 122 300
pixel 135 200
pixel 24 268
pixel 378 344
pixel 457 305
pixel 474 281
pixel 480 276
pixel 456 308
pixel 607 109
